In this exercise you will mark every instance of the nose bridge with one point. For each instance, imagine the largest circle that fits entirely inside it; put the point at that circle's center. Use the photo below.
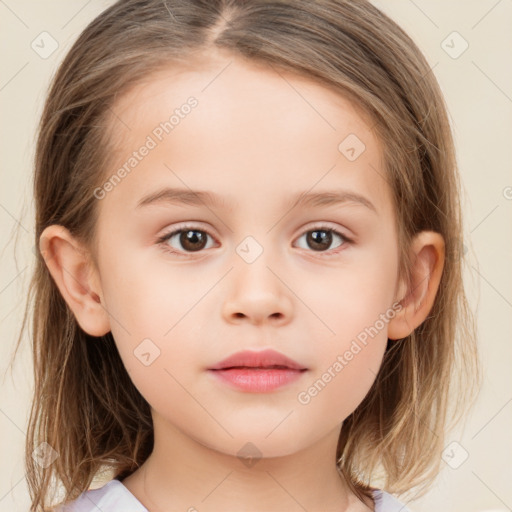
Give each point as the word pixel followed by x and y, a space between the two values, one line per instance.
pixel 256 292
pixel 256 256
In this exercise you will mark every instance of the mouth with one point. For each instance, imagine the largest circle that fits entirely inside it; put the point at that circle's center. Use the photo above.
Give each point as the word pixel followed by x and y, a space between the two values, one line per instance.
pixel 270 367
pixel 265 359
pixel 258 372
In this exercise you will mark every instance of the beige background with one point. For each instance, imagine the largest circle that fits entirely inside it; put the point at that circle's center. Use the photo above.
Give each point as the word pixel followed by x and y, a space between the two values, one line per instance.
pixel 478 89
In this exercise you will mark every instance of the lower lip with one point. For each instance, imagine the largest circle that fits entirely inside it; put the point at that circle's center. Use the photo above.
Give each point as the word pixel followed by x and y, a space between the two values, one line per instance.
pixel 258 381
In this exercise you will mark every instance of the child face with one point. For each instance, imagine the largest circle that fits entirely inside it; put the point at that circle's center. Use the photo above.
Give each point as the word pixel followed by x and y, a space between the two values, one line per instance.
pixel 259 278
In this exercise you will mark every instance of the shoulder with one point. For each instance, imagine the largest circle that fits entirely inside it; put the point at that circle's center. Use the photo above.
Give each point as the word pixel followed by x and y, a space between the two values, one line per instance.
pixel 385 502
pixel 112 497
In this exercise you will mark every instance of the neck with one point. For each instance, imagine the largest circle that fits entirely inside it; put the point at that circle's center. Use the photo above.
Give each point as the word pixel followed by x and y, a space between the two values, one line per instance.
pixel 182 474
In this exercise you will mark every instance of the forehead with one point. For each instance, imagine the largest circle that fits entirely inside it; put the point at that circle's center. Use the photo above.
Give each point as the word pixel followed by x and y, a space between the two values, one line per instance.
pixel 242 89
pixel 254 128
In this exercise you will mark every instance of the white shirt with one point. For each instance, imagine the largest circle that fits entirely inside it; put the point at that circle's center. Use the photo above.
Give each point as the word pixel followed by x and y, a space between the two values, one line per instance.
pixel 115 497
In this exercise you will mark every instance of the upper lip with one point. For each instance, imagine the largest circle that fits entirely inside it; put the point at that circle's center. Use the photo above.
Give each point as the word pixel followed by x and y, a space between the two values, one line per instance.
pixel 262 359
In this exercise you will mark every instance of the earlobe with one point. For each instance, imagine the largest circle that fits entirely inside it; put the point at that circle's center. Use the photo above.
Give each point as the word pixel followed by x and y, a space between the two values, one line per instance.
pixel 428 254
pixel 69 264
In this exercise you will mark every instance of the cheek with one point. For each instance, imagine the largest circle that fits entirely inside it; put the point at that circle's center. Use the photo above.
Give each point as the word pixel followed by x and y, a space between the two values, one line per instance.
pixel 347 362
pixel 355 308
pixel 354 297
pixel 148 295
pixel 152 313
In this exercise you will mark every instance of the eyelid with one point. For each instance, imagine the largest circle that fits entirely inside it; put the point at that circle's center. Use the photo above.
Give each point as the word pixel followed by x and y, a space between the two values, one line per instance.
pixel 196 225
pixel 168 234
pixel 327 226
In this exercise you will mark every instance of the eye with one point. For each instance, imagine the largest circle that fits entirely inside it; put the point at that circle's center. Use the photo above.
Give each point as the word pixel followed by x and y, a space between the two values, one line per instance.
pixel 320 238
pixel 190 238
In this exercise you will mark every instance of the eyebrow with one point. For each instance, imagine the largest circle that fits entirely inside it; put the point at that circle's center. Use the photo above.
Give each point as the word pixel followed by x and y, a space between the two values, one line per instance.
pixel 209 199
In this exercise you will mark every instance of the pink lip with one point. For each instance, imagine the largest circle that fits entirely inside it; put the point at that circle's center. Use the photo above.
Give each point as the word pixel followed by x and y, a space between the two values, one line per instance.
pixel 258 372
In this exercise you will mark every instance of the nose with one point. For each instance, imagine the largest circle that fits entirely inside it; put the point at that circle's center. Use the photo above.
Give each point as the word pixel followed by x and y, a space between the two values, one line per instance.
pixel 257 293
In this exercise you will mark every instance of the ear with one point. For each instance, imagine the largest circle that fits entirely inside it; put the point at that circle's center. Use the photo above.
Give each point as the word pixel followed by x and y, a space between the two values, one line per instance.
pixel 76 277
pixel 417 297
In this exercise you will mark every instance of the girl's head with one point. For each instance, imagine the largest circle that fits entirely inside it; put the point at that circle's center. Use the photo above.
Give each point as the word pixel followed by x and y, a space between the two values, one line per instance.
pixel 318 183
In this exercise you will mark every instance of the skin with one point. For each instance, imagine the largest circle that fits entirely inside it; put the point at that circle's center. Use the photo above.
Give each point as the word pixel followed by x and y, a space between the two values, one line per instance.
pixel 256 138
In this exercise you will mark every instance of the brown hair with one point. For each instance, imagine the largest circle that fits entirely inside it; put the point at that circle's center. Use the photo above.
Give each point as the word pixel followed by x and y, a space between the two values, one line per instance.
pixel 85 405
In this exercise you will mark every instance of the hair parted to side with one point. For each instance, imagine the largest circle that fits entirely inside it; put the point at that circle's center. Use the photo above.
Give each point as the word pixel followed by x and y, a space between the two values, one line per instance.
pixel 85 405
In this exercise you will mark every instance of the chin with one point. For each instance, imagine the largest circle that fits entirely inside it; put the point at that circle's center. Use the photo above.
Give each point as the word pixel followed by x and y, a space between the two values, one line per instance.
pixel 252 445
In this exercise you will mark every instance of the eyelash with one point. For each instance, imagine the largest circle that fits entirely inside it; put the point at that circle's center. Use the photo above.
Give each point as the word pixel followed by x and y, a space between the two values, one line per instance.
pixel 162 240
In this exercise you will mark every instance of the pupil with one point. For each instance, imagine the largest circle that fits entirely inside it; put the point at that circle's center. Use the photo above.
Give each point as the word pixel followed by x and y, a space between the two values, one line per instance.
pixel 189 240
pixel 319 240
